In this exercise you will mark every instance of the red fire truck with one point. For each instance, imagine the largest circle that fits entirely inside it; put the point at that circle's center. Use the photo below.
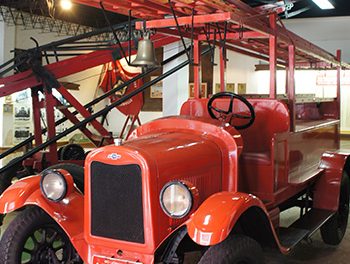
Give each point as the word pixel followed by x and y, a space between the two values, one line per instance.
pixel 214 179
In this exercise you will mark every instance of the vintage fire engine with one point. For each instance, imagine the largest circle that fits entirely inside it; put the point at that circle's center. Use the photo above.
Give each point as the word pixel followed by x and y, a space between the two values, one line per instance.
pixel 214 179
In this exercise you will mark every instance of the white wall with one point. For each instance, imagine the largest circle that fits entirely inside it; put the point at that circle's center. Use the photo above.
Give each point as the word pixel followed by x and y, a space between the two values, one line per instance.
pixel 7 43
pixel 175 87
pixel 329 33
pixel 239 68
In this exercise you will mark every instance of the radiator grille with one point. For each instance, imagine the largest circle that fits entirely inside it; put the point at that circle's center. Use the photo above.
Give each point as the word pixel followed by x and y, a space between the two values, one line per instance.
pixel 116 202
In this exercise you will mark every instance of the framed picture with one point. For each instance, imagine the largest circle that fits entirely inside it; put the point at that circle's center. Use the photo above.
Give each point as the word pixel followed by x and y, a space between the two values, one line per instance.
pixel 202 92
pixel 8 108
pixel 230 87
pixel 241 88
pixel 22 112
pixel 156 90
pixel 21 133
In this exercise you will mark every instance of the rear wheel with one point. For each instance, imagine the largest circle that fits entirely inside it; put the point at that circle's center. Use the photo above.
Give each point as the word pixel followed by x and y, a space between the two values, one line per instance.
pixel 72 152
pixel 334 229
pixel 237 249
pixel 33 237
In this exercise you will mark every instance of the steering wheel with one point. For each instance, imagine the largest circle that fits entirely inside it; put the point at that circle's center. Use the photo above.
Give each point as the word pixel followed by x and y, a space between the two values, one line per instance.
pixel 228 115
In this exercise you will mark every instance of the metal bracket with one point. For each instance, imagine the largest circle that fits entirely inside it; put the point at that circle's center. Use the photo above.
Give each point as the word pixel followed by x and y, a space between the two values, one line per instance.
pixel 223 39
pixel 179 30
pixel 212 47
pixel 288 4
pixel 114 33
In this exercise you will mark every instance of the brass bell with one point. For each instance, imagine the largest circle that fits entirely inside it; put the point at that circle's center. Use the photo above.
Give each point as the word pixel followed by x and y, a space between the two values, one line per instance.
pixel 146 55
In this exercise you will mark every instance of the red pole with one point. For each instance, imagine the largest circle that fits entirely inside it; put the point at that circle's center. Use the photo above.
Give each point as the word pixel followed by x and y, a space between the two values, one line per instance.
pixel 197 68
pixel 85 113
pixel 51 130
pixel 223 65
pixel 273 55
pixel 338 84
pixel 291 85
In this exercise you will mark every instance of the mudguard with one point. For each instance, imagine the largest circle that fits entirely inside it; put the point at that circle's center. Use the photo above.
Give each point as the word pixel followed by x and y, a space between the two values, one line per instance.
pixel 69 213
pixel 214 219
pixel 327 189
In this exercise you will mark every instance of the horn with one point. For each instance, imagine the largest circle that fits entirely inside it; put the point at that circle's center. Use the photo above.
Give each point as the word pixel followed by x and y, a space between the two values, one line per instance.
pixel 146 55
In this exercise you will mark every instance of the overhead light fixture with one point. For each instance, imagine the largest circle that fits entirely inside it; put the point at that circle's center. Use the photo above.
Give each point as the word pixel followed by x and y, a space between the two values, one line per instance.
pixel 66 4
pixel 324 4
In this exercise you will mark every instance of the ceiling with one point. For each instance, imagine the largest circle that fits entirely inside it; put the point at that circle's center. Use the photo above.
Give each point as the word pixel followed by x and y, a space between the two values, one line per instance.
pixel 89 16
pixel 307 8
pixel 80 14
pixel 342 8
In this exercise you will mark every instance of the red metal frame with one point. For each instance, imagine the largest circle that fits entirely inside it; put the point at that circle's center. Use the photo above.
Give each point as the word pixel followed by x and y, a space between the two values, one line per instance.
pixel 223 65
pixel 85 113
pixel 273 56
pixel 338 83
pixel 197 68
pixel 133 120
pixel 291 85
pixel 51 129
pixel 36 117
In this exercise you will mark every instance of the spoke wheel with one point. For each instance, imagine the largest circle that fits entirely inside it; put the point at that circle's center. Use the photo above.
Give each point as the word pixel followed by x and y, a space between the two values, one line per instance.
pixel 34 238
pixel 334 229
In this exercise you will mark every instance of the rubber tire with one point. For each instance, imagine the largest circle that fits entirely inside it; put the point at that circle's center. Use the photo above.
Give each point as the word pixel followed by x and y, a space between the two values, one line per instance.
pixel 18 230
pixel 333 231
pixel 75 170
pixel 237 249
pixel 79 152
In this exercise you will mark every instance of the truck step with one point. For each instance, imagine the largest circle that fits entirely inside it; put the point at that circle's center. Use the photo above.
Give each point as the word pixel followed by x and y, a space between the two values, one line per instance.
pixel 304 227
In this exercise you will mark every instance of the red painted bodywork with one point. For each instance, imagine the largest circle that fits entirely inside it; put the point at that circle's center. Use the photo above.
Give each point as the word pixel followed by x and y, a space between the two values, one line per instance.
pixel 217 161
pixel 216 217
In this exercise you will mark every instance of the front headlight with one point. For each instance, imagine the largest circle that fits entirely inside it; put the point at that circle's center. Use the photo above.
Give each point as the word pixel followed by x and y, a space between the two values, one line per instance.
pixel 176 199
pixel 53 185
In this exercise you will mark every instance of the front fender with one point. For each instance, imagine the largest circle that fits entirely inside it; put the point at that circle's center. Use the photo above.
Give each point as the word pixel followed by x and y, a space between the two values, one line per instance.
pixel 17 195
pixel 215 218
pixel 327 188
pixel 69 213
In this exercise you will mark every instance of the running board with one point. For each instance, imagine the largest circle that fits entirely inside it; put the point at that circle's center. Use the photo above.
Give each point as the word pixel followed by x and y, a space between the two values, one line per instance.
pixel 304 227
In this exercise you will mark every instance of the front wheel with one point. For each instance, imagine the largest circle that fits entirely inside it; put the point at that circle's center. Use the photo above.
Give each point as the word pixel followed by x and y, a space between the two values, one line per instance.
pixel 33 237
pixel 333 231
pixel 237 249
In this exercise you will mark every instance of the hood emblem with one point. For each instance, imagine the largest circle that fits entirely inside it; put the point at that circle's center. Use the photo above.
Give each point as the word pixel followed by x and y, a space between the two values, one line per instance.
pixel 114 156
